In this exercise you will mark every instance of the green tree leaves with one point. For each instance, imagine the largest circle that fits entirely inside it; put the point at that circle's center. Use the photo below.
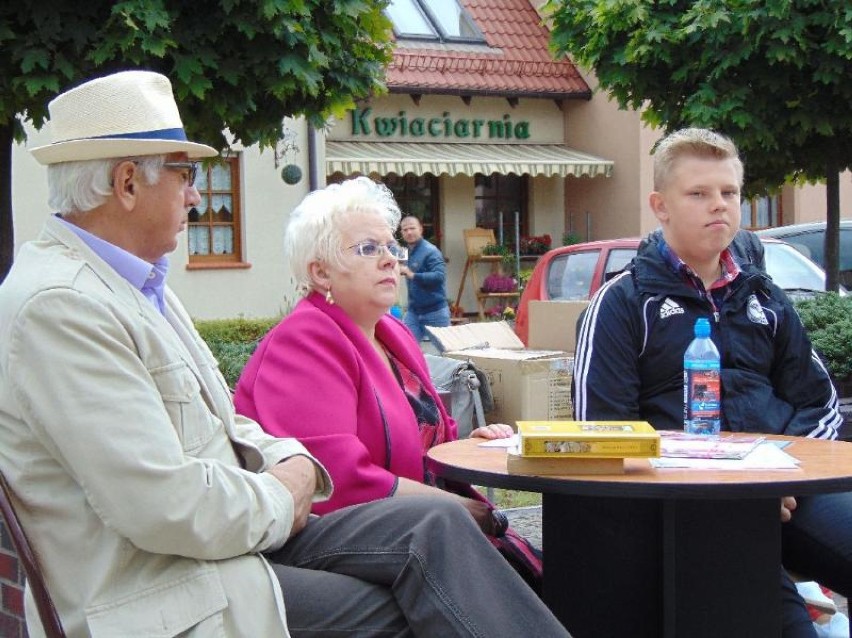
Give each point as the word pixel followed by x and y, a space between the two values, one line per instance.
pixel 774 75
pixel 241 65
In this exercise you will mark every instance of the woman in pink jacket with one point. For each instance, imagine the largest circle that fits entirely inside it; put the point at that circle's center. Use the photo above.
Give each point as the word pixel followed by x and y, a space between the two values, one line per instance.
pixel 345 377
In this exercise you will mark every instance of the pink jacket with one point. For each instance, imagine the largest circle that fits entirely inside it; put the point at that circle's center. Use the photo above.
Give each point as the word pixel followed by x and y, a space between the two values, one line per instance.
pixel 317 378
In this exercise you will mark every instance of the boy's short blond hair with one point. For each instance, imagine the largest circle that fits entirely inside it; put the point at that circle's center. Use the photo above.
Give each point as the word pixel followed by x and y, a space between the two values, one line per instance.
pixel 692 142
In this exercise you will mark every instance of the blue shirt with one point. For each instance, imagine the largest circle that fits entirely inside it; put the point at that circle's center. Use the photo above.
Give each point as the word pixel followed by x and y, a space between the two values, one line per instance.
pixel 147 278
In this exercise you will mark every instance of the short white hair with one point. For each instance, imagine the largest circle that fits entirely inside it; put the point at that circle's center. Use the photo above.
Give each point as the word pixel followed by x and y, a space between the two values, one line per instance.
pixel 313 233
pixel 78 187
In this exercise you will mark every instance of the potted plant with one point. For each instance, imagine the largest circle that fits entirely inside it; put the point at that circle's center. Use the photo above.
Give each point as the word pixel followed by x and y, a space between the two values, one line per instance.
pixel 569 239
pixel 499 282
pixel 508 257
pixel 535 244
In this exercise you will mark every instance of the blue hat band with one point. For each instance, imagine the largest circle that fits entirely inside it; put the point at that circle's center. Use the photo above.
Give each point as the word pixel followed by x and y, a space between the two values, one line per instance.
pixel 176 134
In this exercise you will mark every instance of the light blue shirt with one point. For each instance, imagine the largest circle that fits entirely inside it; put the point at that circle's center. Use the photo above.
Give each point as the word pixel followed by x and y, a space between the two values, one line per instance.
pixel 147 278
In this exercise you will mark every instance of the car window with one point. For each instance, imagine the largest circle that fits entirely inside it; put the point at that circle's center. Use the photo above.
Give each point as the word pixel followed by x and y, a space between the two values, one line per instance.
pixel 617 259
pixel 570 276
pixel 811 245
pixel 789 269
pixel 846 249
pixel 846 257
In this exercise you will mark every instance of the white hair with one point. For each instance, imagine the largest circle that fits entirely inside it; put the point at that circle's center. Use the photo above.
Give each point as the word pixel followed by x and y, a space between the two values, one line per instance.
pixel 313 233
pixel 78 187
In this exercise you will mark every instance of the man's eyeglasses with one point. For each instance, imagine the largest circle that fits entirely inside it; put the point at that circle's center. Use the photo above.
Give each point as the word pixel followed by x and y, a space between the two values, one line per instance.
pixel 191 169
pixel 373 249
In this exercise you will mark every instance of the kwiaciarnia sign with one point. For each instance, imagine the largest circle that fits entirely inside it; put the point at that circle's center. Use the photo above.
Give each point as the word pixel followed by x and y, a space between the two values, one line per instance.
pixel 446 126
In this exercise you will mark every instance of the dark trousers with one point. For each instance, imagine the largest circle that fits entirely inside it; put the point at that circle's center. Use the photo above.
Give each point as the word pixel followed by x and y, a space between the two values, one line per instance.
pixel 401 567
pixel 817 541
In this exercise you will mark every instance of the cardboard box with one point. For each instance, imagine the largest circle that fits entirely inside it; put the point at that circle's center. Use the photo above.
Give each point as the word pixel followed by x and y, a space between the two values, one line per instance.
pixel 493 334
pixel 553 324
pixel 527 384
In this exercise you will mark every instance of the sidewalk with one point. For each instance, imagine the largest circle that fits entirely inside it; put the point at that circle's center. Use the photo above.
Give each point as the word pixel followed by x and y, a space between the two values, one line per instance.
pixel 527 522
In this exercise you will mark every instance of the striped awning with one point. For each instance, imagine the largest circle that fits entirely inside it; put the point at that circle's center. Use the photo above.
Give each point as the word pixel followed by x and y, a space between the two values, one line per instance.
pixel 550 160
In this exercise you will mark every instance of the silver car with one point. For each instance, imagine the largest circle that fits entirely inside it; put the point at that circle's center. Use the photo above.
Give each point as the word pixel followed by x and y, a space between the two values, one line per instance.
pixel 809 239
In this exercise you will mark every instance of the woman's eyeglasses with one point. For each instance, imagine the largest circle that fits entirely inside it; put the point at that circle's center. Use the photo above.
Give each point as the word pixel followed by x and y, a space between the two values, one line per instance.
pixel 191 169
pixel 374 249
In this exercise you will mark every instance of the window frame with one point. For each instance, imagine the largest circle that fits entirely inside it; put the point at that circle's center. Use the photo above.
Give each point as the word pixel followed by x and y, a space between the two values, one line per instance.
pixel 508 217
pixel 234 259
pixel 432 21
pixel 431 227
pixel 754 203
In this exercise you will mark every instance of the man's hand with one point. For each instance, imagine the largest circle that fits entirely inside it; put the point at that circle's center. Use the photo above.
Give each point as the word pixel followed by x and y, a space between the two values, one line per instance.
pixel 298 474
pixel 406 272
pixel 481 513
pixel 788 504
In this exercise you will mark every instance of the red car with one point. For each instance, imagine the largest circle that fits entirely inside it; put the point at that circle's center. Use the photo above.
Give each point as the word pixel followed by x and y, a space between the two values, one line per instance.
pixel 577 271
pixel 573 272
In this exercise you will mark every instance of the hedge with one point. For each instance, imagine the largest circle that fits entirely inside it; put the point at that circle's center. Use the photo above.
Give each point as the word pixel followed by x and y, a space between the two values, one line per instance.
pixel 233 341
pixel 828 320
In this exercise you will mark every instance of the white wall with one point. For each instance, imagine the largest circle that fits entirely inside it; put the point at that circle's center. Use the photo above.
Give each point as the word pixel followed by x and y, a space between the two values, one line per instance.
pixel 807 203
pixel 614 207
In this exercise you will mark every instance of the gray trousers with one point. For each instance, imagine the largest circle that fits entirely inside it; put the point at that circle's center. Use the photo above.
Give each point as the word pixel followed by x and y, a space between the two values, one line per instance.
pixel 406 566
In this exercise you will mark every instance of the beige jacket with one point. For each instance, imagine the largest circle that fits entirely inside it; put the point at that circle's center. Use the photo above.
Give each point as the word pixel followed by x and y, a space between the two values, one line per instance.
pixel 141 490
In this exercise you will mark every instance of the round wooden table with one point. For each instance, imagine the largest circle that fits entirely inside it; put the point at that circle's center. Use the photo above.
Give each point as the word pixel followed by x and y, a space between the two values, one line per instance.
pixel 669 552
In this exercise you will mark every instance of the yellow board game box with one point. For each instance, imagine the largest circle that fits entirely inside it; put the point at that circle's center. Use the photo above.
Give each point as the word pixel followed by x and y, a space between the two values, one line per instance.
pixel 588 439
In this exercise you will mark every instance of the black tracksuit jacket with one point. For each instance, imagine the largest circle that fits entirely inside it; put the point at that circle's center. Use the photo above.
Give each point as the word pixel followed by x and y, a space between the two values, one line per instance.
pixel 630 345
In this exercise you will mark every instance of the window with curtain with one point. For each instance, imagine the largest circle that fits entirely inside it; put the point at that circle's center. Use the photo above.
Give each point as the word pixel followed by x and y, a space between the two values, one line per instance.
pixel 214 228
pixel 496 194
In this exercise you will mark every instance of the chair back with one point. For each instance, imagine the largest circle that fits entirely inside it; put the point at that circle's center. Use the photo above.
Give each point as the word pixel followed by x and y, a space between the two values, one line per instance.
pixel 47 612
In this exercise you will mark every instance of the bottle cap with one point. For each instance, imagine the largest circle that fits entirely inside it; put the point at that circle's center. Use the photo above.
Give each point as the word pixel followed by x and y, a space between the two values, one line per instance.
pixel 702 327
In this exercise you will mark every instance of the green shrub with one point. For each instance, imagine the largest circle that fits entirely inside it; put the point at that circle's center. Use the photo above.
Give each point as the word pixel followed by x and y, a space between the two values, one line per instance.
pixel 232 341
pixel 239 330
pixel 828 320
pixel 569 239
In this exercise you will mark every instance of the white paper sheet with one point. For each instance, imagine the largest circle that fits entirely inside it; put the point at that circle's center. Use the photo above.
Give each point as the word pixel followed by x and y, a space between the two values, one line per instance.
pixel 508 442
pixel 765 456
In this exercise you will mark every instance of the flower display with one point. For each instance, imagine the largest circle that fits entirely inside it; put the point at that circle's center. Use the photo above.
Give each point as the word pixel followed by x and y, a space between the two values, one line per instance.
pixel 495 282
pixel 500 313
pixel 535 244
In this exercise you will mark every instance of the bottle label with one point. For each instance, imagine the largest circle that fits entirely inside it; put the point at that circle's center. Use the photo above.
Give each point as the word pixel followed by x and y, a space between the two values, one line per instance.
pixel 702 400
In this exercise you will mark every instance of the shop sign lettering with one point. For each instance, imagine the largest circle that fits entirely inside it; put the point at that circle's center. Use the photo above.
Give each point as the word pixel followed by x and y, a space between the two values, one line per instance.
pixel 445 126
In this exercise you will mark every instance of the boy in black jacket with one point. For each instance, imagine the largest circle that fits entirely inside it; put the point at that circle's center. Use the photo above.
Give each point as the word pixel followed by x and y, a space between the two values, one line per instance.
pixel 638 326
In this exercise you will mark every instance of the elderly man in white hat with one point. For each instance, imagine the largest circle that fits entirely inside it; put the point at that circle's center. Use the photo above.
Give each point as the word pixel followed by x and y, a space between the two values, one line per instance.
pixel 154 509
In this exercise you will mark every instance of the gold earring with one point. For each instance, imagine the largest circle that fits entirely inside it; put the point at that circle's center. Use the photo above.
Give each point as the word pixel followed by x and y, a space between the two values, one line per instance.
pixel 328 298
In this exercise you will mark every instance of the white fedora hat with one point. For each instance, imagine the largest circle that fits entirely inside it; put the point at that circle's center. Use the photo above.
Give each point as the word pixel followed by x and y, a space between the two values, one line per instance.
pixel 126 114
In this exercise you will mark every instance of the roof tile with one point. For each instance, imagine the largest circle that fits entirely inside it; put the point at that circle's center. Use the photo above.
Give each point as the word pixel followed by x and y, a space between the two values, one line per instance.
pixel 519 61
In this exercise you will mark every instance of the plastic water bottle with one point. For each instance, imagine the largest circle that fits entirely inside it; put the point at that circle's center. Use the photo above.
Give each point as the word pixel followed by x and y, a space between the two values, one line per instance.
pixel 702 386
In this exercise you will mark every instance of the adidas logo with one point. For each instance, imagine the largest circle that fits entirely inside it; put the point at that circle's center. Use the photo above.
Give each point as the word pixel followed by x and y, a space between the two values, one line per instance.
pixel 670 308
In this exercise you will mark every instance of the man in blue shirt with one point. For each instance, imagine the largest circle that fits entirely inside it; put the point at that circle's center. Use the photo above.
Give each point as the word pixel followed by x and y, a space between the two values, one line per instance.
pixel 426 273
